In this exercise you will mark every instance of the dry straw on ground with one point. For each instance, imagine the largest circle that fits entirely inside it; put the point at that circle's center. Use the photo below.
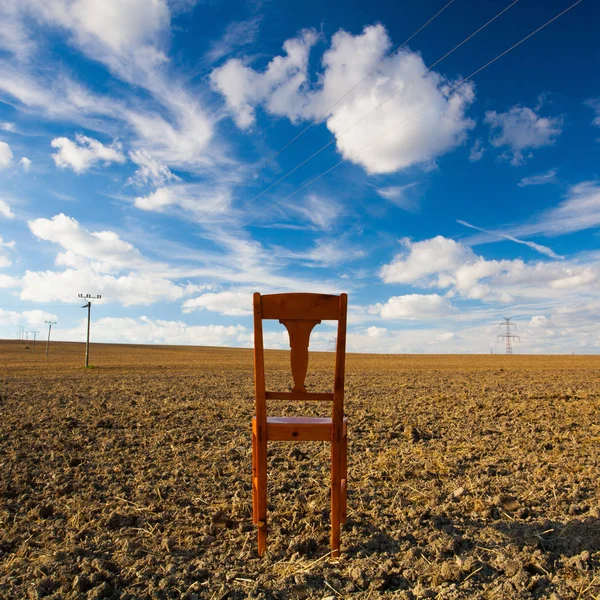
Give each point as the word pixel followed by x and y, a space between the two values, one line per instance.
pixel 470 477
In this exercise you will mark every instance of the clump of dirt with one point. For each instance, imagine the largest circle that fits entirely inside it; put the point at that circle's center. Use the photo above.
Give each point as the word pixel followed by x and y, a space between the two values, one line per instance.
pixel 470 477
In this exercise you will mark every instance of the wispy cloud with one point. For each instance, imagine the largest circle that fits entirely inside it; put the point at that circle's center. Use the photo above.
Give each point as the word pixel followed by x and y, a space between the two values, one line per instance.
pixel 537 247
pixel 541 179
pixel 402 196
pixel 477 150
pixel 319 211
pixel 594 104
pixel 580 210
pixel 236 35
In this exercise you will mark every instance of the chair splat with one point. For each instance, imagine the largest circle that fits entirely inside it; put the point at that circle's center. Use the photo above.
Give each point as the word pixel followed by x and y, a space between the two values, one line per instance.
pixel 299 331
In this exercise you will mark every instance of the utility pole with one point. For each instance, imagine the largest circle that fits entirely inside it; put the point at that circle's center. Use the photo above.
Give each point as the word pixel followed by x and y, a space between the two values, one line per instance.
pixel 508 336
pixel 88 305
pixel 34 334
pixel 50 323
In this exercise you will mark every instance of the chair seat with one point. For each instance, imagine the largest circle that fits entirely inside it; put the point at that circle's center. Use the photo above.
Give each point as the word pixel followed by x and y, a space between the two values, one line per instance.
pixel 299 428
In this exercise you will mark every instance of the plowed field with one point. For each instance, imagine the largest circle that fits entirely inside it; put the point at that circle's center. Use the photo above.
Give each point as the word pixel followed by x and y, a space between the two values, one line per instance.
pixel 469 477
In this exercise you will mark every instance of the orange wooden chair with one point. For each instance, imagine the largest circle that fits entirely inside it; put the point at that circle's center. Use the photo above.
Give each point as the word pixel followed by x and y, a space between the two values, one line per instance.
pixel 299 313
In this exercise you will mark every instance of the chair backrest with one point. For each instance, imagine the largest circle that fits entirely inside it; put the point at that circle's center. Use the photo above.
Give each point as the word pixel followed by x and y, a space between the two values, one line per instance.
pixel 299 313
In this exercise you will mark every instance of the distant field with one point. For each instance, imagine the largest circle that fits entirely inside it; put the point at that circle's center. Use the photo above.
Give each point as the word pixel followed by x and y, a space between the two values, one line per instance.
pixel 469 477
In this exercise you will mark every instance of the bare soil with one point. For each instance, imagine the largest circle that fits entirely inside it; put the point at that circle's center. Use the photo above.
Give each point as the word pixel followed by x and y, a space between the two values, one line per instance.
pixel 469 477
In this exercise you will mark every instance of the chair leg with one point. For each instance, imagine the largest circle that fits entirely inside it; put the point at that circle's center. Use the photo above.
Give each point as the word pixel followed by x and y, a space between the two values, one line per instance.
pixel 344 490
pixel 254 480
pixel 262 493
pixel 336 488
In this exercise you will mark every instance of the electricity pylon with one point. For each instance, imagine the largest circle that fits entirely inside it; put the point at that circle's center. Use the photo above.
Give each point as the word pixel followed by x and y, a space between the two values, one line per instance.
pixel 508 336
pixel 88 305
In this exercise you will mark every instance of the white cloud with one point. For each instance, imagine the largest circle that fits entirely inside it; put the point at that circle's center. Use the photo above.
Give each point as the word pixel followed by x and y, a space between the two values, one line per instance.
pixel 85 152
pixel 6 126
pixel 5 210
pixel 5 155
pixel 401 195
pixel 106 31
pixel 376 332
pixel 31 318
pixel 427 118
pixel 157 200
pixel 98 262
pixel 521 128
pixel 425 258
pixel 477 150
pixel 225 303
pixel 541 179
pixel 26 164
pixel 103 250
pixel 447 264
pixel 7 281
pixel 129 37
pixel 277 86
pixel 146 330
pixel 4 260
pixel 150 171
pixel 413 307
pixel 131 289
pixel 211 202
pixel 120 25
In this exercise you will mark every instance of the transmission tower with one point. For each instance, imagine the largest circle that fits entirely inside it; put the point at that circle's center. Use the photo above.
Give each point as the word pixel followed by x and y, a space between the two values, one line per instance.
pixel 508 334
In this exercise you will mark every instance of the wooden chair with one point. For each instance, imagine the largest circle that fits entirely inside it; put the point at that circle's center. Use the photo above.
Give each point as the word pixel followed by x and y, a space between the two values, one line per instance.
pixel 299 313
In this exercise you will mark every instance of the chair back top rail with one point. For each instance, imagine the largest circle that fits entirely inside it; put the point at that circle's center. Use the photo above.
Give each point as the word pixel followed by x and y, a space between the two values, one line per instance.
pixel 300 306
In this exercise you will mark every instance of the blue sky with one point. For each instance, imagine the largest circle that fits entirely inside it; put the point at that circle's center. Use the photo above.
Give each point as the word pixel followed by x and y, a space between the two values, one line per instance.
pixel 174 156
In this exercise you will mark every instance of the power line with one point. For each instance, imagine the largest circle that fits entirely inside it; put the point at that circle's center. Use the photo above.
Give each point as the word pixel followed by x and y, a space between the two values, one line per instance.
pixel 324 113
pixel 414 113
pixel 368 114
